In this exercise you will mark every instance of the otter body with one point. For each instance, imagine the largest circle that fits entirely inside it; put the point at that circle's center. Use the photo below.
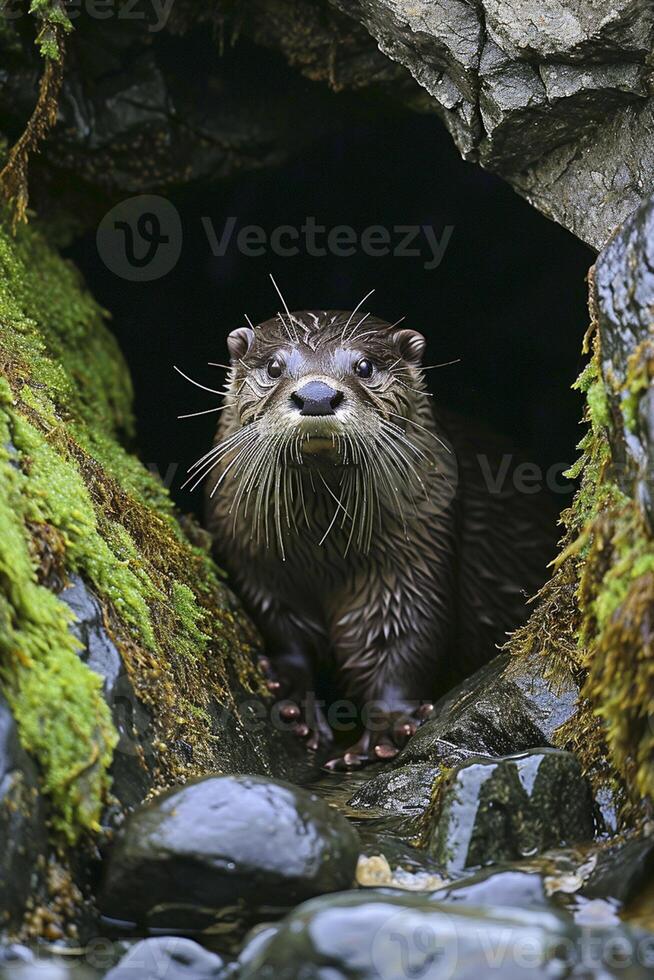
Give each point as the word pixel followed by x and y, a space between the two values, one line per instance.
pixel 337 505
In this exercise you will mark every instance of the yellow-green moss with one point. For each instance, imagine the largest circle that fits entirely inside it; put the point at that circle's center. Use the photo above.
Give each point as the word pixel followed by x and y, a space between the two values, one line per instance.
pixel 62 716
pixel 65 405
pixel 604 583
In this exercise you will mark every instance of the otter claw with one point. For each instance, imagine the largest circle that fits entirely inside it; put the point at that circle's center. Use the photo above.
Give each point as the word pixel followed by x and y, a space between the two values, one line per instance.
pixel 385 751
pixel 289 711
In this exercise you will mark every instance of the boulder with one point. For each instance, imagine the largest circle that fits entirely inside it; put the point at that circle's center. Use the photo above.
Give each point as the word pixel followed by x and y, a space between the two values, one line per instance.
pixel 373 935
pixel 168 958
pixel 239 847
pixel 489 811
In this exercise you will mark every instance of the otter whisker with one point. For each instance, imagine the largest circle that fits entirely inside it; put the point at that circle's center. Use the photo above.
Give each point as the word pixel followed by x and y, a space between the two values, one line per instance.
pixel 356 308
pixel 206 411
pixel 216 458
pixel 196 383
pixel 353 334
pixel 432 367
pixel 224 444
pixel 225 367
pixel 288 312
pixel 422 427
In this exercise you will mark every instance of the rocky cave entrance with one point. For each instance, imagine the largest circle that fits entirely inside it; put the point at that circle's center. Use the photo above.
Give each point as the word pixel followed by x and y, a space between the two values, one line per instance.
pixel 506 299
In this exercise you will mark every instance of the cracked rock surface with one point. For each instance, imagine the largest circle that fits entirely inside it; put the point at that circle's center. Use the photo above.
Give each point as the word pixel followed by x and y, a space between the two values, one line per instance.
pixel 555 96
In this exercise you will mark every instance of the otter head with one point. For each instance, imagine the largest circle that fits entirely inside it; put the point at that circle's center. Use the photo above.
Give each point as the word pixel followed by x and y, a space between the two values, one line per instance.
pixel 322 384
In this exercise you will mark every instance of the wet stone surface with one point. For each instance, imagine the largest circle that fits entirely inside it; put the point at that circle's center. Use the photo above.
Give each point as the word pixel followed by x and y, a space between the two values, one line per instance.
pixel 490 811
pixel 22 825
pixel 381 935
pixel 168 958
pixel 131 778
pixel 504 708
pixel 238 849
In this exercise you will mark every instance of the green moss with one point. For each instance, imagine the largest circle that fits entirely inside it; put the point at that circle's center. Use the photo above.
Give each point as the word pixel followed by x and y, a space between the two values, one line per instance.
pixel 66 407
pixel 58 704
pixel 594 616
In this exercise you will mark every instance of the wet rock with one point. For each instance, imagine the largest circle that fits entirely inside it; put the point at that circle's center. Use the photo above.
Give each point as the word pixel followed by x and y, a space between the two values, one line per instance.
pixel 621 870
pixel 40 965
pixel 624 285
pixel 504 708
pixel 503 887
pixel 22 826
pixel 131 777
pixel 239 848
pixel 492 811
pixel 374 935
pixel 168 958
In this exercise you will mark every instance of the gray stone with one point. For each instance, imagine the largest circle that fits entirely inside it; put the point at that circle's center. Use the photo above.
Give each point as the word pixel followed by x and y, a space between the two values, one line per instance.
pixel 168 958
pixel 624 286
pixel 505 810
pixel 22 825
pixel 235 848
pixel 131 775
pixel 373 935
pixel 506 707
pixel 554 96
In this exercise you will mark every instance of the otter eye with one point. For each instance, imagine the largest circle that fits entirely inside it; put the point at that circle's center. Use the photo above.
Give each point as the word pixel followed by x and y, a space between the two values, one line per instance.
pixel 275 368
pixel 363 368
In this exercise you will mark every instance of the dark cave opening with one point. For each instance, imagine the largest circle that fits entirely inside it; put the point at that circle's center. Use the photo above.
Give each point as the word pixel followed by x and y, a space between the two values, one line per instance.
pixel 507 301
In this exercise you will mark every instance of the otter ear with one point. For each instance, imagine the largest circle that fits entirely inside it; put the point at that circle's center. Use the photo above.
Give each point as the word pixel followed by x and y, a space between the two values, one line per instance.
pixel 410 345
pixel 239 342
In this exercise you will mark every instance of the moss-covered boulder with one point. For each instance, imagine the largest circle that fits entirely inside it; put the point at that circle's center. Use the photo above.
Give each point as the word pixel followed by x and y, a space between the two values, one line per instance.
pixel 78 510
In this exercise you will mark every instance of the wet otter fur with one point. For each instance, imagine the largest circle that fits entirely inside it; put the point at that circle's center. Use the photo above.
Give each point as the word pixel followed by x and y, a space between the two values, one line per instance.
pixel 356 525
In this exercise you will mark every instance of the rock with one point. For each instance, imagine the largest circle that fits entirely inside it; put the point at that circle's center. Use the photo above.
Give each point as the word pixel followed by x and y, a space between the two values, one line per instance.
pixel 374 935
pixel 554 97
pixel 131 777
pixel 168 958
pixel 22 826
pixel 243 847
pixel 621 870
pixel 498 887
pixel 504 708
pixel 624 285
pixel 512 808
pixel 45 966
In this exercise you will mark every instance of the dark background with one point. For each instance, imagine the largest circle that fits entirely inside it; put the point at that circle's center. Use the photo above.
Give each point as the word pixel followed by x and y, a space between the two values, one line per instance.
pixel 508 298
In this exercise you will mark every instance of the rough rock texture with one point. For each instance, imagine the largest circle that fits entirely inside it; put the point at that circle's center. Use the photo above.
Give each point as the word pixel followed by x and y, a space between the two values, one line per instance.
pixel 555 96
pixel 594 617
pixel 227 848
pixel 22 825
pixel 506 707
pixel 486 812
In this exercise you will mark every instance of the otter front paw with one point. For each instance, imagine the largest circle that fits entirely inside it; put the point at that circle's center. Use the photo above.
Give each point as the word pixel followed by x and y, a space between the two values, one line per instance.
pixel 381 746
pixel 294 702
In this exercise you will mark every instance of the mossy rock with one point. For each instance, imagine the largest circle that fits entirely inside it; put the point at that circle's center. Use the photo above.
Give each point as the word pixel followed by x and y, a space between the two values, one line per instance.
pixel 594 618
pixel 76 505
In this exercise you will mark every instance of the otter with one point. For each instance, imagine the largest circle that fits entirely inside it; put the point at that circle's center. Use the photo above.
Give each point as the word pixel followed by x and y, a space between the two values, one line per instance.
pixel 341 507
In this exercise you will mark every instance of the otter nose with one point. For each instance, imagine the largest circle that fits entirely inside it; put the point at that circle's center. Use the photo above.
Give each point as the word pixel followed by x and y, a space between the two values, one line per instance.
pixel 317 398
